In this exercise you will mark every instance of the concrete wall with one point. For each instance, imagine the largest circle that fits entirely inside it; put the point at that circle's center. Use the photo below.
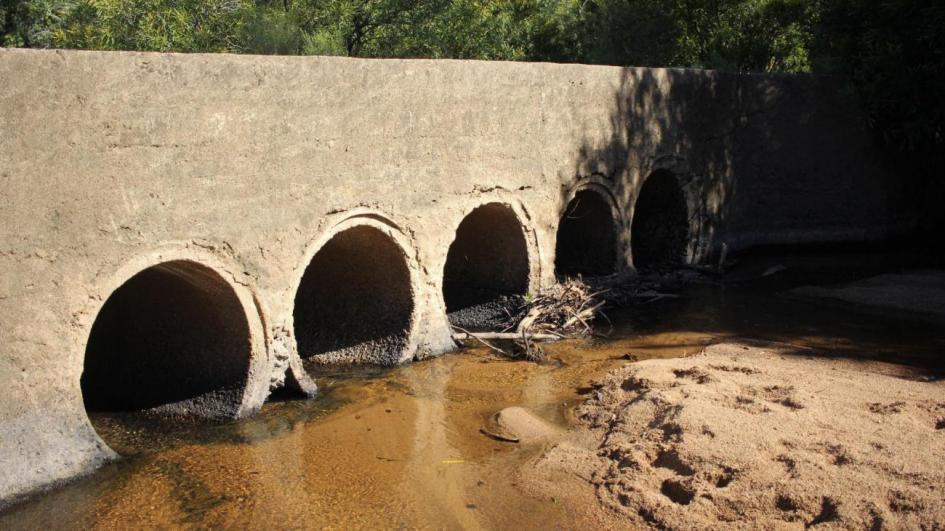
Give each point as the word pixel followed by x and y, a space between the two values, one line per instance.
pixel 114 162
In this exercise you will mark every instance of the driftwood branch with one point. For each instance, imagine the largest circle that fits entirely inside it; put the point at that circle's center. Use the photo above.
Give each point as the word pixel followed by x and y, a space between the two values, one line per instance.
pixel 469 335
pixel 511 336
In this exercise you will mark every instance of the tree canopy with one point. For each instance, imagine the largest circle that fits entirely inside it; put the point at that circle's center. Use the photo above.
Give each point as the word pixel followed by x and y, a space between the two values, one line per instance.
pixel 892 51
pixel 764 35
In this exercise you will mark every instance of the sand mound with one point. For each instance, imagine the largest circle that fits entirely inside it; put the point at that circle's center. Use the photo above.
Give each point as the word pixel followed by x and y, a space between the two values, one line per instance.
pixel 751 437
pixel 520 424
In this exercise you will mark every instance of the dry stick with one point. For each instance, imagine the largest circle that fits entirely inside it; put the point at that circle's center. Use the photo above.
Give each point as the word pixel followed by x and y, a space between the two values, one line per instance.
pixel 539 354
pixel 609 323
pixel 721 266
pixel 583 322
pixel 470 334
pixel 597 306
pixel 504 335
pixel 567 324
pixel 526 322
pixel 527 345
pixel 657 294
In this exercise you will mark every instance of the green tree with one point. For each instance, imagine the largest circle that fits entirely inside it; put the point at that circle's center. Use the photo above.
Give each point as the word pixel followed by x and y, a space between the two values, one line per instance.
pixel 893 51
pixel 352 27
pixel 168 25
pixel 30 23
pixel 271 29
pixel 9 24
pixel 628 32
pixel 738 35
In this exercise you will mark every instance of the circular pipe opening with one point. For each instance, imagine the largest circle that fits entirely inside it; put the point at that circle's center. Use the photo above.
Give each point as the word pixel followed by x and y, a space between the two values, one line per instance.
pixel 173 339
pixel 486 267
pixel 587 237
pixel 660 230
pixel 355 301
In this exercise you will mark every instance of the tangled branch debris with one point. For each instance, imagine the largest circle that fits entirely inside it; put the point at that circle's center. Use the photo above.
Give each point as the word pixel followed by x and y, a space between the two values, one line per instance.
pixel 565 310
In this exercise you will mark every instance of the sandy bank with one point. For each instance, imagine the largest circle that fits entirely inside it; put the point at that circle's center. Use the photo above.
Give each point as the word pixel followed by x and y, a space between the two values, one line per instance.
pixel 749 436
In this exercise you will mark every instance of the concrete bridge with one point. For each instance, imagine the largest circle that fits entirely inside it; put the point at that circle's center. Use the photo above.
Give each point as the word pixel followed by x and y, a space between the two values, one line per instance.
pixel 180 231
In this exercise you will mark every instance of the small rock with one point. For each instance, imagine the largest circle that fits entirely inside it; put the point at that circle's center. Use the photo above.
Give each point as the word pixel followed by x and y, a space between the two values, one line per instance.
pixel 520 423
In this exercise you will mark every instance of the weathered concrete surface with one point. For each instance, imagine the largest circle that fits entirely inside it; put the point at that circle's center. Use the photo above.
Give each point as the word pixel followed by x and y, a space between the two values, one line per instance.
pixel 111 163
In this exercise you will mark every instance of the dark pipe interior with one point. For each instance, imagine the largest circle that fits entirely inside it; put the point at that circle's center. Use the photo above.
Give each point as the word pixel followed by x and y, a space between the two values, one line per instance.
pixel 355 302
pixel 487 259
pixel 660 229
pixel 174 335
pixel 587 239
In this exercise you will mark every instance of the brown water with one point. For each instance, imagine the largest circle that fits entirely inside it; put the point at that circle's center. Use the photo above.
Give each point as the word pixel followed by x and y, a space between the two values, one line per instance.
pixel 401 448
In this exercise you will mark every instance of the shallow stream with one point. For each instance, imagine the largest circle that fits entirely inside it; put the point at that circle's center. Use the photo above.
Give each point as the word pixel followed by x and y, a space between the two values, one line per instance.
pixel 402 448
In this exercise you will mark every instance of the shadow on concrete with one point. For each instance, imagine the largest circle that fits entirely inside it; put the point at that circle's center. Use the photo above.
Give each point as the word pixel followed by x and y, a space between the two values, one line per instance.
pixel 775 161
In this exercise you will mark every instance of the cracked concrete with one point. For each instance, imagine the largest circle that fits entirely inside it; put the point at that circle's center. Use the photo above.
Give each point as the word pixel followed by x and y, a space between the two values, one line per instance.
pixel 114 163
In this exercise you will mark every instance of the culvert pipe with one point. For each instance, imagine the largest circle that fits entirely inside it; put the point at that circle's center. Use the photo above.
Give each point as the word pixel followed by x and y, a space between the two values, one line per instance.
pixel 486 264
pixel 659 233
pixel 355 301
pixel 586 240
pixel 173 339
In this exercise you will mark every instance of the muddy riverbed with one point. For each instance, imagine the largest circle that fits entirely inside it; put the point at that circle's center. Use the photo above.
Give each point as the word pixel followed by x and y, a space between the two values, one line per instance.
pixel 402 448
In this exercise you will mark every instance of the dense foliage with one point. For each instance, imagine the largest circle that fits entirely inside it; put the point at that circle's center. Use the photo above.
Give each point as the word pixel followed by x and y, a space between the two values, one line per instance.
pixel 764 35
pixel 892 50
